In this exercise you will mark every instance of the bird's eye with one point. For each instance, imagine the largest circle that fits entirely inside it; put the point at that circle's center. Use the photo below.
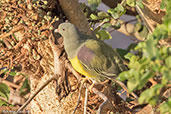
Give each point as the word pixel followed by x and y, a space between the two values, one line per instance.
pixel 63 29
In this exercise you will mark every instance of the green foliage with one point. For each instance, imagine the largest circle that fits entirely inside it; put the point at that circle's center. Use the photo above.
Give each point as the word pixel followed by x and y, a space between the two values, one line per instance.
pixel 100 16
pixel 4 92
pixel 121 52
pixel 117 12
pixel 103 35
pixel 131 2
pixel 140 28
pixel 165 107
pixel 140 3
pixel 152 61
pixel 152 93
pixel 25 88
pixel 3 103
pixel 164 30
pixel 94 3
pixel 5 70
pixel 162 5
pixel 104 18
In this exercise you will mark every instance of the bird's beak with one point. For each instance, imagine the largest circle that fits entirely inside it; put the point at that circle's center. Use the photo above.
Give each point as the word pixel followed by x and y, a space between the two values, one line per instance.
pixel 56 30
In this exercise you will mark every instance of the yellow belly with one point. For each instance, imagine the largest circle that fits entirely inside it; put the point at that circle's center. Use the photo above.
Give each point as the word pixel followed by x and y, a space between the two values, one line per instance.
pixel 79 67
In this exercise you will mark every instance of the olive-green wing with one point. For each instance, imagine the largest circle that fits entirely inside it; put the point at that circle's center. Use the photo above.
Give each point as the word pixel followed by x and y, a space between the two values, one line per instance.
pixel 97 56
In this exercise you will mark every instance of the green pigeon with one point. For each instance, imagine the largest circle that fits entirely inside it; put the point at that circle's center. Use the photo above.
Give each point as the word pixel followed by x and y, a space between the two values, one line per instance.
pixel 90 56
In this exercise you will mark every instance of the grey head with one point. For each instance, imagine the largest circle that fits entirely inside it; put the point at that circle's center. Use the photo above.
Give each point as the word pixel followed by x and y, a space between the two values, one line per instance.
pixel 67 29
pixel 72 38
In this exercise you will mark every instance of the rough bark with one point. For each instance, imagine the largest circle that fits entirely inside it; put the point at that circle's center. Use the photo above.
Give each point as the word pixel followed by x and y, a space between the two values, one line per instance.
pixel 75 15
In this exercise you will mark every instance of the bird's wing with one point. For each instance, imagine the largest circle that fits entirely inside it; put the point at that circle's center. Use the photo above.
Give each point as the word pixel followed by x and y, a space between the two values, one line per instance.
pixel 97 56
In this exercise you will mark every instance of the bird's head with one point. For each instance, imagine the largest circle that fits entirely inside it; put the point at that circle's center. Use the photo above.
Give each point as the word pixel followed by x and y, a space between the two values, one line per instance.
pixel 66 29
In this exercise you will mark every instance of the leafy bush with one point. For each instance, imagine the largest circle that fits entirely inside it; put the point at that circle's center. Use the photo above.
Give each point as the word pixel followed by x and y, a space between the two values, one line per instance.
pixel 153 59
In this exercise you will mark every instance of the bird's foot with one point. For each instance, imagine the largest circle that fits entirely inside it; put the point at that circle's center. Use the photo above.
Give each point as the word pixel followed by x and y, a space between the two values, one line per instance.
pixel 91 86
pixel 105 82
pixel 83 80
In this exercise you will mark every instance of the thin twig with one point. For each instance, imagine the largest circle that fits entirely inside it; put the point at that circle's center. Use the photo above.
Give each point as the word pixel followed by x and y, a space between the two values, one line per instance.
pixel 102 96
pixel 85 101
pixel 123 1
pixel 128 29
pixel 125 88
pixel 79 96
pixel 33 96
pixel 15 29
pixel 142 15
pixel 9 83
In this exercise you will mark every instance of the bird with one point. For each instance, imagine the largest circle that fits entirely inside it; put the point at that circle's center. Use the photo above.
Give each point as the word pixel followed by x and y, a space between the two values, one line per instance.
pixel 90 56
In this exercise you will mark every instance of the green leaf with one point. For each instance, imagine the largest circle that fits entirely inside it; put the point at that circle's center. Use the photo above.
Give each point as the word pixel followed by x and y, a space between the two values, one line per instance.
pixel 144 79
pixel 106 25
pixel 102 14
pixel 15 37
pixel 140 45
pixel 134 63
pixel 94 4
pixel 131 2
pixel 121 52
pixel 150 50
pixel 4 90
pixel 128 56
pixel 106 20
pixel 166 72
pixel 5 70
pixel 125 75
pixel 133 79
pixel 148 95
pixel 103 35
pixel 93 17
pixel 114 13
pixel 161 32
pixel 132 84
pixel 162 5
pixel 13 73
pixel 144 32
pixel 3 103
pixel 120 7
pixel 168 62
pixel 140 4
pixel 25 88
pixel 117 25
pixel 165 107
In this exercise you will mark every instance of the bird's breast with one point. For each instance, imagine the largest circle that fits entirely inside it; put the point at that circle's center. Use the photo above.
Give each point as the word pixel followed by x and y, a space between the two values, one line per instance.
pixel 77 65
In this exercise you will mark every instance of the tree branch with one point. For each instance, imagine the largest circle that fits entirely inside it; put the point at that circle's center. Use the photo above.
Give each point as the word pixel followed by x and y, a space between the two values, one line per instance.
pixel 127 29
pixel 75 15
pixel 113 4
pixel 34 95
